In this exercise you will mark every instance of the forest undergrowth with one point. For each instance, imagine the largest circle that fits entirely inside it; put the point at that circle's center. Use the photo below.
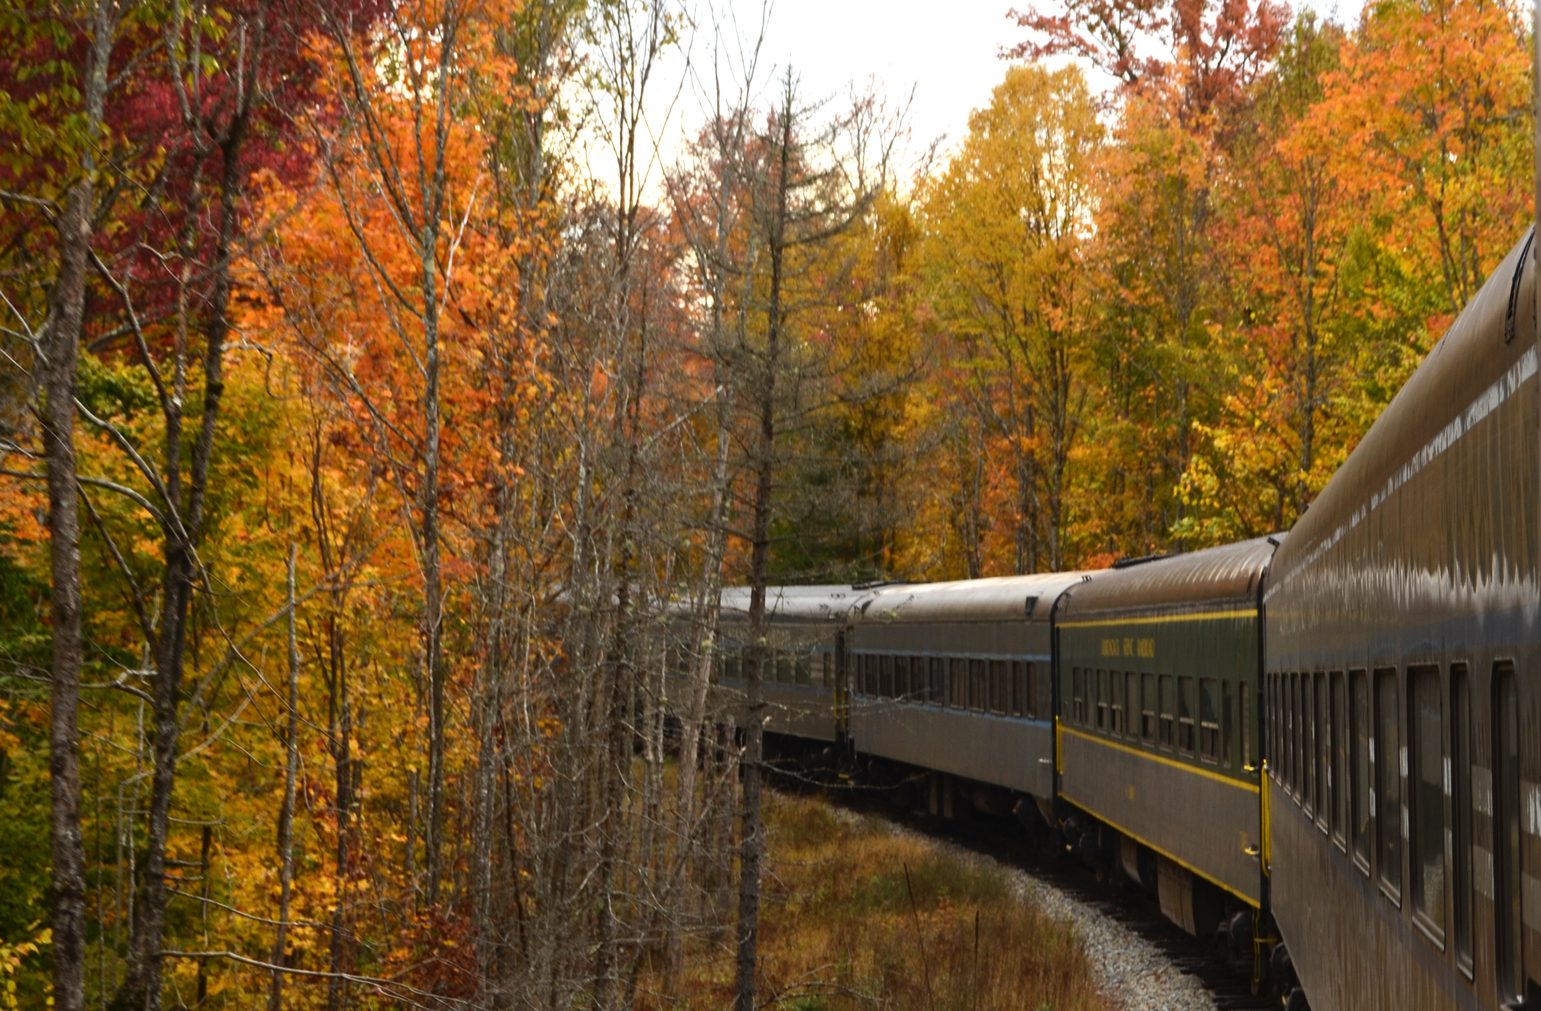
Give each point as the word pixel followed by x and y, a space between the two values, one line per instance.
pixel 857 915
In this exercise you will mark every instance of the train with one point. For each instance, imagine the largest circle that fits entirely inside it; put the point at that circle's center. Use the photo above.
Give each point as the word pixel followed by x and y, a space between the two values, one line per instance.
pixel 1309 748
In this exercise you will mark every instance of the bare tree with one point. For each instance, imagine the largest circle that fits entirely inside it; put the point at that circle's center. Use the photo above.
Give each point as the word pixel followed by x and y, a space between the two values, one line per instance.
pixel 411 179
pixel 215 134
pixel 801 201
pixel 58 344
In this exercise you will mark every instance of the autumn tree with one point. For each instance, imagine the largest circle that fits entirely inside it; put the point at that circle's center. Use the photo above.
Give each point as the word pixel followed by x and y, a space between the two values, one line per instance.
pixel 1287 236
pixel 1431 107
pixel 1208 52
pixel 1007 228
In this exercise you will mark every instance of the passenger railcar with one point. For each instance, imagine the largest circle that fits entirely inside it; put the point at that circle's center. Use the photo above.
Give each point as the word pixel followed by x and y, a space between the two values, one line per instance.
pixel 802 680
pixel 1159 670
pixel 1403 625
pixel 957 678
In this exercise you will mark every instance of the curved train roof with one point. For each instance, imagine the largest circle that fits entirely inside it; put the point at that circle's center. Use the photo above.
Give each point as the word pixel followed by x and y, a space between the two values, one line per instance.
pixel 997 598
pixel 1227 574
pixel 1475 367
pixel 830 602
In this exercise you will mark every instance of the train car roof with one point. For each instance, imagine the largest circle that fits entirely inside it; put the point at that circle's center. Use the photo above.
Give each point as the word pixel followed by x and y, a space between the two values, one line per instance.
pixel 1227 574
pixel 1448 395
pixel 829 602
pixel 997 598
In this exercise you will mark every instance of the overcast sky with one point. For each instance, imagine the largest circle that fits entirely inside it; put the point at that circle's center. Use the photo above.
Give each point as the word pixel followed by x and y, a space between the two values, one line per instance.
pixel 947 54
pixel 944 54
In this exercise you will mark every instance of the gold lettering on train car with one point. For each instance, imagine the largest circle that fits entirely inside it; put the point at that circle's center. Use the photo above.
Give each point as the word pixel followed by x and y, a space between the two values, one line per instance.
pixel 1128 646
pixel 1110 647
pixel 1129 790
pixel 1147 648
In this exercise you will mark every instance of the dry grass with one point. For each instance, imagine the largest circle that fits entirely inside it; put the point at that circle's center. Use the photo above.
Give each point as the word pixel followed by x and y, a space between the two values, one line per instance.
pixel 855 917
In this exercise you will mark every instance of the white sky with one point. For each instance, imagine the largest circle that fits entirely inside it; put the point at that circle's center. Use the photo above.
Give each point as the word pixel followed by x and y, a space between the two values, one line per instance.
pixel 946 54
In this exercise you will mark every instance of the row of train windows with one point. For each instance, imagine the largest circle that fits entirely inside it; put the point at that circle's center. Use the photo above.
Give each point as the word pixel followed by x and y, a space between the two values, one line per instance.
pixel 1004 687
pixel 1342 748
pixel 1192 716
pixel 788 667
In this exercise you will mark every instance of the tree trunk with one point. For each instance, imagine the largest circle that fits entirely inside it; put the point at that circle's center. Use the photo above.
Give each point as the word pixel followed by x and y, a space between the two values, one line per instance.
pixel 61 350
pixel 286 810
pixel 751 829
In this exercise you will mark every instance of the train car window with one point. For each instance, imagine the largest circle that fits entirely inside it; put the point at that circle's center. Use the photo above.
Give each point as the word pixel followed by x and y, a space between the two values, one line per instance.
pixel 1147 695
pixel 1116 702
pixel 886 676
pixel 957 682
pixel 1148 708
pixel 1308 745
pixel 1280 747
pixel 1209 719
pixel 1227 722
pixel 1077 695
pixel 1029 690
pixel 1271 725
pixel 1100 696
pixel 1248 722
pixel 1168 711
pixel 1323 739
pixel 938 694
pixel 1298 710
pixel 1359 767
pixel 1131 703
pixel 1187 709
pixel 1506 831
pixel 1000 687
pixel 804 669
pixel 901 677
pixel 1017 689
pixel 1337 776
pixel 1388 784
pixel 1287 719
pixel 1460 812
pixel 978 686
pixel 827 669
pixel 1426 798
